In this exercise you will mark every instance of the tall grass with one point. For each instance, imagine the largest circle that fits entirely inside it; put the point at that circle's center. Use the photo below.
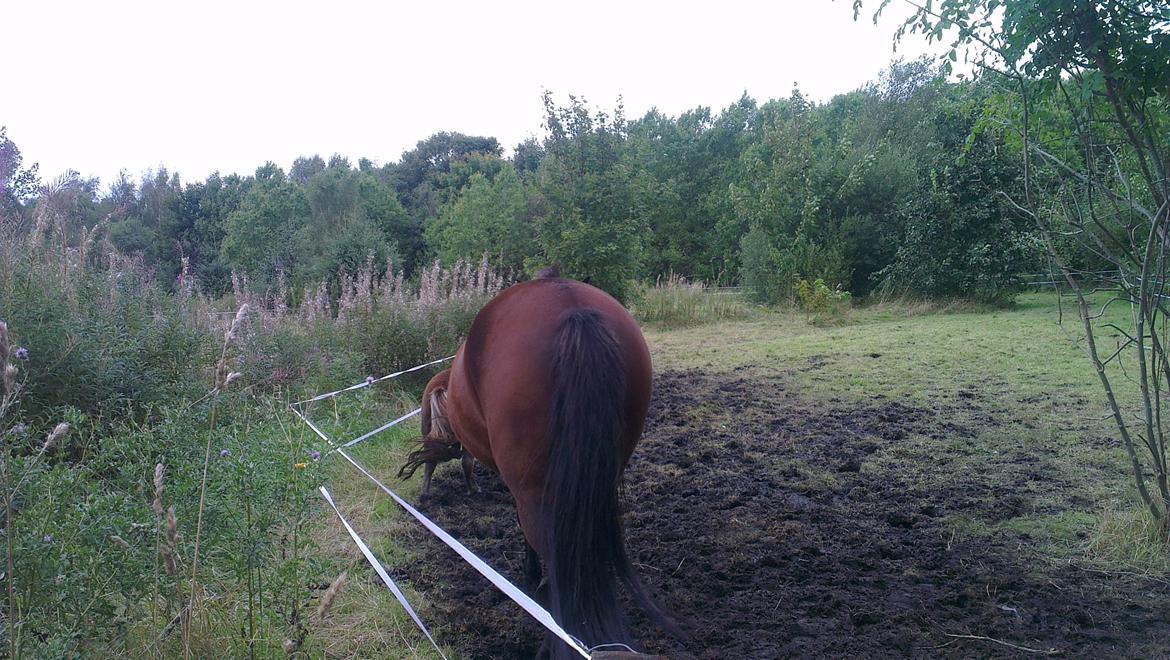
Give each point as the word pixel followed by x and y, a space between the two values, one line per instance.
pixel 674 302
pixel 171 518
pixel 394 328
pixel 1129 537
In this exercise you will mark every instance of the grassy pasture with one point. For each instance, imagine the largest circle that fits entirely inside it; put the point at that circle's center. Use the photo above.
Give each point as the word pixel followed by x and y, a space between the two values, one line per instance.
pixel 1028 376
pixel 1006 392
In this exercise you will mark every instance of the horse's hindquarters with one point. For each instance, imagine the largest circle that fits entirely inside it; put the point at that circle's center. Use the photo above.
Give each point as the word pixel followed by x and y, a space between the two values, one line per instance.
pixel 551 389
pixel 502 380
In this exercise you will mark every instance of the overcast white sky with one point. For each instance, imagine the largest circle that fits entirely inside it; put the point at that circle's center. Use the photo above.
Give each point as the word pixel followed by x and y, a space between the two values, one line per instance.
pixel 210 85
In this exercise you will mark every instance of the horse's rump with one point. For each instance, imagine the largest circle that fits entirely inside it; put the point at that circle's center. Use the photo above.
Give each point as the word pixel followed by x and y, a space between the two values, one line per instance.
pixel 551 389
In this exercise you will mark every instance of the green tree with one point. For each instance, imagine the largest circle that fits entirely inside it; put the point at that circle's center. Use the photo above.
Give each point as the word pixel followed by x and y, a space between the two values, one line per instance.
pixel 257 237
pixel 884 144
pixel 333 198
pixel 1097 170
pixel 423 181
pixel 159 209
pixel 961 238
pixel 209 203
pixel 359 246
pixel 784 191
pixel 526 157
pixel 731 133
pixel 491 216
pixel 593 226
pixel 761 271
pixel 381 208
pixel 353 217
pixel 305 168
pixel 689 162
pixel 17 183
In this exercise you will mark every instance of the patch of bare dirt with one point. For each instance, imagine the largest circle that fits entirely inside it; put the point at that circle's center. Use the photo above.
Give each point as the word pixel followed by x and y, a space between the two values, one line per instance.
pixel 783 528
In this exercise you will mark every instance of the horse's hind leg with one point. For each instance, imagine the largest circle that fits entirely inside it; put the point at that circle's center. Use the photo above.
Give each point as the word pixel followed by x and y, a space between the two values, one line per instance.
pixel 532 573
pixel 428 470
pixel 468 465
pixel 538 589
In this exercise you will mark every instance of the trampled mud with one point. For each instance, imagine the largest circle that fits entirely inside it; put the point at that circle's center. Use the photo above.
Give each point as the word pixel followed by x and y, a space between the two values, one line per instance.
pixel 782 528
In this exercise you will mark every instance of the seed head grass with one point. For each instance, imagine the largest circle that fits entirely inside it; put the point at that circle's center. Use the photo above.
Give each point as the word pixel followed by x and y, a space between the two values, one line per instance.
pixel 673 302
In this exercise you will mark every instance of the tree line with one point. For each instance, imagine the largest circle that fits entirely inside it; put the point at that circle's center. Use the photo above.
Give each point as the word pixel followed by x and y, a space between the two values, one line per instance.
pixel 897 185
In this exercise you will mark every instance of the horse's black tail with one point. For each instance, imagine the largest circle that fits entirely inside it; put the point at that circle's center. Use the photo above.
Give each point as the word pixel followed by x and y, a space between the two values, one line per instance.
pixel 584 545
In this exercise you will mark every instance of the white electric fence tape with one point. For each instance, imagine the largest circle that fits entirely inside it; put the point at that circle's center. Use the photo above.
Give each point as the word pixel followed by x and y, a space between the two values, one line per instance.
pixel 295 406
pixel 512 591
pixel 312 426
pixel 381 571
pixel 382 428
pixel 367 383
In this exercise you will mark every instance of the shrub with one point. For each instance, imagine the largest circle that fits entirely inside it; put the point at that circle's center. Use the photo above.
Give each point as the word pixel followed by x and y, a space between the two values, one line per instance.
pixel 770 272
pixel 105 339
pixel 819 301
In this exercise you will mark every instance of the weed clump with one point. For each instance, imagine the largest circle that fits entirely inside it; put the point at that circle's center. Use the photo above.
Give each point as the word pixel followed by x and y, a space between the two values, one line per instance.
pixel 821 303
pixel 674 302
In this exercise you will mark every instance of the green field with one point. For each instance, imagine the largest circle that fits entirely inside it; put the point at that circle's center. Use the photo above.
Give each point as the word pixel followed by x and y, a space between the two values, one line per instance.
pixel 1007 402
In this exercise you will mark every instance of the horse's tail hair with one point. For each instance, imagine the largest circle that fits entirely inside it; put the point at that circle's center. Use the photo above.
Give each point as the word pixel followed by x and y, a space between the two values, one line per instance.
pixel 438 443
pixel 584 545
pixel 432 450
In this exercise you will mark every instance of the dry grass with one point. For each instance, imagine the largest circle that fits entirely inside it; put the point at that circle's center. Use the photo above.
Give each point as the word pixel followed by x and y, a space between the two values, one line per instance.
pixel 882 304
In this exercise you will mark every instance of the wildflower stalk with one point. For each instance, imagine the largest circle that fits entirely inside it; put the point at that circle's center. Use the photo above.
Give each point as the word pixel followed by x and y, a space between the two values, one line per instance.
pixel 11 624
pixel 198 530
pixel 8 390
pixel 330 594
pixel 253 585
pixel 51 441
pixel 156 506
pixel 169 550
pixel 221 378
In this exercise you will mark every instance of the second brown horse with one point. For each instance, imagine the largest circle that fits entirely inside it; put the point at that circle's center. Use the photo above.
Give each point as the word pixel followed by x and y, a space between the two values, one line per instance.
pixel 550 390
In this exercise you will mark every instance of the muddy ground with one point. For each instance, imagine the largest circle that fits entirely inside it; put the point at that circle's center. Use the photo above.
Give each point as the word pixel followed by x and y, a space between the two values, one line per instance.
pixel 781 527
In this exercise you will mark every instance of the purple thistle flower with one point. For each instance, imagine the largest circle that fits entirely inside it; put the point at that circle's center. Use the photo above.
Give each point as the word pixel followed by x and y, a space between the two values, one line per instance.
pixel 224 453
pixel 369 380
pixel 48 538
pixel 316 455
pixel 22 353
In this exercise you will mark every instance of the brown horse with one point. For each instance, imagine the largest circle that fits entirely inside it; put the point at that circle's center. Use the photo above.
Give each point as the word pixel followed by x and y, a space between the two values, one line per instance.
pixel 438 441
pixel 550 390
